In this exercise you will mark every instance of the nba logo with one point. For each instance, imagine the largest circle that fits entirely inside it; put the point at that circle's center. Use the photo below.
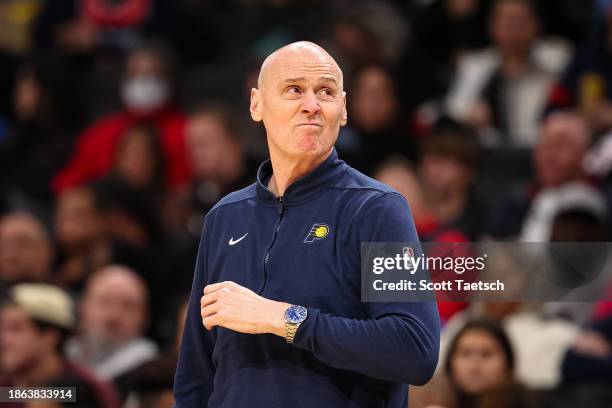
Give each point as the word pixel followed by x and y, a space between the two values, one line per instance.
pixel 409 258
pixel 408 252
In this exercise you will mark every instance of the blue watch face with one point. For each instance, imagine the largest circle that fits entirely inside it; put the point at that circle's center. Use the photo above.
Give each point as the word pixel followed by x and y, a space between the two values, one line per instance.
pixel 295 314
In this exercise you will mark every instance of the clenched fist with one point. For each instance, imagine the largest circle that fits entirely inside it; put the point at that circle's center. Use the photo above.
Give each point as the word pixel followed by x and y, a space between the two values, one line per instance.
pixel 237 308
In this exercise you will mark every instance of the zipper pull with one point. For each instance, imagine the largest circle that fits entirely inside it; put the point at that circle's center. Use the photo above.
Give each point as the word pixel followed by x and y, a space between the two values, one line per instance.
pixel 280 205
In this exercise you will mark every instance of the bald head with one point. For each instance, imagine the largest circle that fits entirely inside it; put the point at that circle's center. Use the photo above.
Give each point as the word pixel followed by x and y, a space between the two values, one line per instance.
pixel 118 274
pixel 302 50
pixel 115 305
pixel 301 101
pixel 558 156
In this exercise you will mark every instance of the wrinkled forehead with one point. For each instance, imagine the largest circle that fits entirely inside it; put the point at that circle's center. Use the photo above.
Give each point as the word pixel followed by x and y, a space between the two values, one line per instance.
pixel 302 64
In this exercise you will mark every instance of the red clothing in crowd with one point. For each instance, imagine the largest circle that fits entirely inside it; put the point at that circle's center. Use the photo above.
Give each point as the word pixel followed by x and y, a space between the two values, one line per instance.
pixel 94 152
pixel 430 230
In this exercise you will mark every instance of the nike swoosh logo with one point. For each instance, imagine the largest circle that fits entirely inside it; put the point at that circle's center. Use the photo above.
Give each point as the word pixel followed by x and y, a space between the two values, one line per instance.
pixel 232 242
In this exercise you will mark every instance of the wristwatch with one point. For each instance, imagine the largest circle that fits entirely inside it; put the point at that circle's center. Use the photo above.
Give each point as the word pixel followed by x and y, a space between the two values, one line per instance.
pixel 294 316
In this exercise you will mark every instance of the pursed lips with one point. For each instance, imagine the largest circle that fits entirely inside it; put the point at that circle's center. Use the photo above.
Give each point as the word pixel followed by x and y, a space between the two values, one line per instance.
pixel 310 124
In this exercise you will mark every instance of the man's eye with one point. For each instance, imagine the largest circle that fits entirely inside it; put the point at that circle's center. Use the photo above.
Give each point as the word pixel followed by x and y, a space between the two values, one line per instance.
pixel 326 92
pixel 293 90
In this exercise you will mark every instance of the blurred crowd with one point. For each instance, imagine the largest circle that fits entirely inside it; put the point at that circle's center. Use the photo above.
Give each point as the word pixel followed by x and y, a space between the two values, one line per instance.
pixel 122 122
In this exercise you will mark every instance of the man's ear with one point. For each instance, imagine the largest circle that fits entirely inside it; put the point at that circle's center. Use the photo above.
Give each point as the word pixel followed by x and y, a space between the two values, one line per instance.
pixel 255 107
pixel 344 119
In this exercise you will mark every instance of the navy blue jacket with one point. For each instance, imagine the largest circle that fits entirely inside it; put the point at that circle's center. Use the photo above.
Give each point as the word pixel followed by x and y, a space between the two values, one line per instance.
pixel 304 249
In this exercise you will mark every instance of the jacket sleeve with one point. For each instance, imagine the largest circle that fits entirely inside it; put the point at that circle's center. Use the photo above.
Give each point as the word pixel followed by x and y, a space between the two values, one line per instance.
pixel 398 341
pixel 193 381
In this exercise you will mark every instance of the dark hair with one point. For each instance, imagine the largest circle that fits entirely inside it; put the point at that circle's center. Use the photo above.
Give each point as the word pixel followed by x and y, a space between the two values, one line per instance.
pixel 162 51
pixel 388 71
pixel 153 139
pixel 456 144
pixel 154 375
pixel 530 4
pixel 64 333
pixel 40 325
pixel 494 329
pixel 116 194
pixel 224 114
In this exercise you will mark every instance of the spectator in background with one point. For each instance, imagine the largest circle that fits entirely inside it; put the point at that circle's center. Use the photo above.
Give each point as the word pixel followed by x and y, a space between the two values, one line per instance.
pixel 114 316
pixel 220 164
pixel 81 234
pixel 368 32
pixel 26 252
pixel 376 130
pixel 139 159
pixel 478 372
pixel 86 26
pixel 398 173
pixel 447 171
pixel 39 138
pixel 147 91
pixel 590 358
pixel 579 217
pixel 480 368
pixel 502 91
pixel 97 225
pixel 445 31
pixel 587 84
pixel 558 162
pixel 450 28
pixel 151 384
pixel 16 21
pixel 34 324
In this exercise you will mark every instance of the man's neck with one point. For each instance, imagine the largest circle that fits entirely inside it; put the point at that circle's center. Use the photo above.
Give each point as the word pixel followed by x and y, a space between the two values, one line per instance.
pixel 46 368
pixel 286 170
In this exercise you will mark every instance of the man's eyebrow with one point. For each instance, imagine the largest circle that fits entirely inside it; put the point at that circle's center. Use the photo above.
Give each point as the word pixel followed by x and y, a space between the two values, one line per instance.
pixel 302 79
pixel 294 80
pixel 329 79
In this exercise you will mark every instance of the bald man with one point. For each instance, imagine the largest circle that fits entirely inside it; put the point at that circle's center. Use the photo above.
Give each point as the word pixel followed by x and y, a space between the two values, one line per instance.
pixel 114 313
pixel 275 317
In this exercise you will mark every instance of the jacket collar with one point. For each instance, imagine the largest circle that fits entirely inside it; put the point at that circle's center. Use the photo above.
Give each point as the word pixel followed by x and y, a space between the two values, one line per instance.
pixel 304 188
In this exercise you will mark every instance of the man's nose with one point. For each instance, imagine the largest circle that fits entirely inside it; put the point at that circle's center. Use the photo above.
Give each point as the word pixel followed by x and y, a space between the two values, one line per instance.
pixel 310 104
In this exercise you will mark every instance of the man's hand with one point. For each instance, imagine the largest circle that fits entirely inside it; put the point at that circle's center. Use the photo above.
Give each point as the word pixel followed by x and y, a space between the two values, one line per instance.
pixel 237 308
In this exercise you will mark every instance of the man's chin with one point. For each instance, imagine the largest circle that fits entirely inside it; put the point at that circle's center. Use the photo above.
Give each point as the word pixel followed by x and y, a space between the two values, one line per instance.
pixel 310 145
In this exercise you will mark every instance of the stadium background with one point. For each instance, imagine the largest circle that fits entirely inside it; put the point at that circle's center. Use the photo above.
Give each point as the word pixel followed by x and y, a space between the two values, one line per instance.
pixel 123 121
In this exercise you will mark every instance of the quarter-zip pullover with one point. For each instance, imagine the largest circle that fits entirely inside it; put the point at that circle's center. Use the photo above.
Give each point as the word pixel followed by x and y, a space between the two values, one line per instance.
pixel 303 248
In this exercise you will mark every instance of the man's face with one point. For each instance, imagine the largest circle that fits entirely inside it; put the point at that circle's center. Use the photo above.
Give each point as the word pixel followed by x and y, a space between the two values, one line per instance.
pixel 513 26
pixel 25 252
pixel 20 341
pixel 301 102
pixel 374 103
pixel 136 160
pixel 559 153
pixel 77 221
pixel 114 309
pixel 211 149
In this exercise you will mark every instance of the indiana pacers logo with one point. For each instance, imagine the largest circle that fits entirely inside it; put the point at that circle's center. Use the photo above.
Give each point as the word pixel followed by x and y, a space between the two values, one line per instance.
pixel 318 231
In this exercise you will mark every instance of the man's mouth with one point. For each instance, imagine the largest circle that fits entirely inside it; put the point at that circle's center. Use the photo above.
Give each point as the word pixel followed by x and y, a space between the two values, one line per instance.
pixel 310 124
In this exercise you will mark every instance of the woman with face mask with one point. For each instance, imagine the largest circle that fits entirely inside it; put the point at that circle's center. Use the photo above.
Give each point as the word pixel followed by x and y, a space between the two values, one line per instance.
pixel 146 92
